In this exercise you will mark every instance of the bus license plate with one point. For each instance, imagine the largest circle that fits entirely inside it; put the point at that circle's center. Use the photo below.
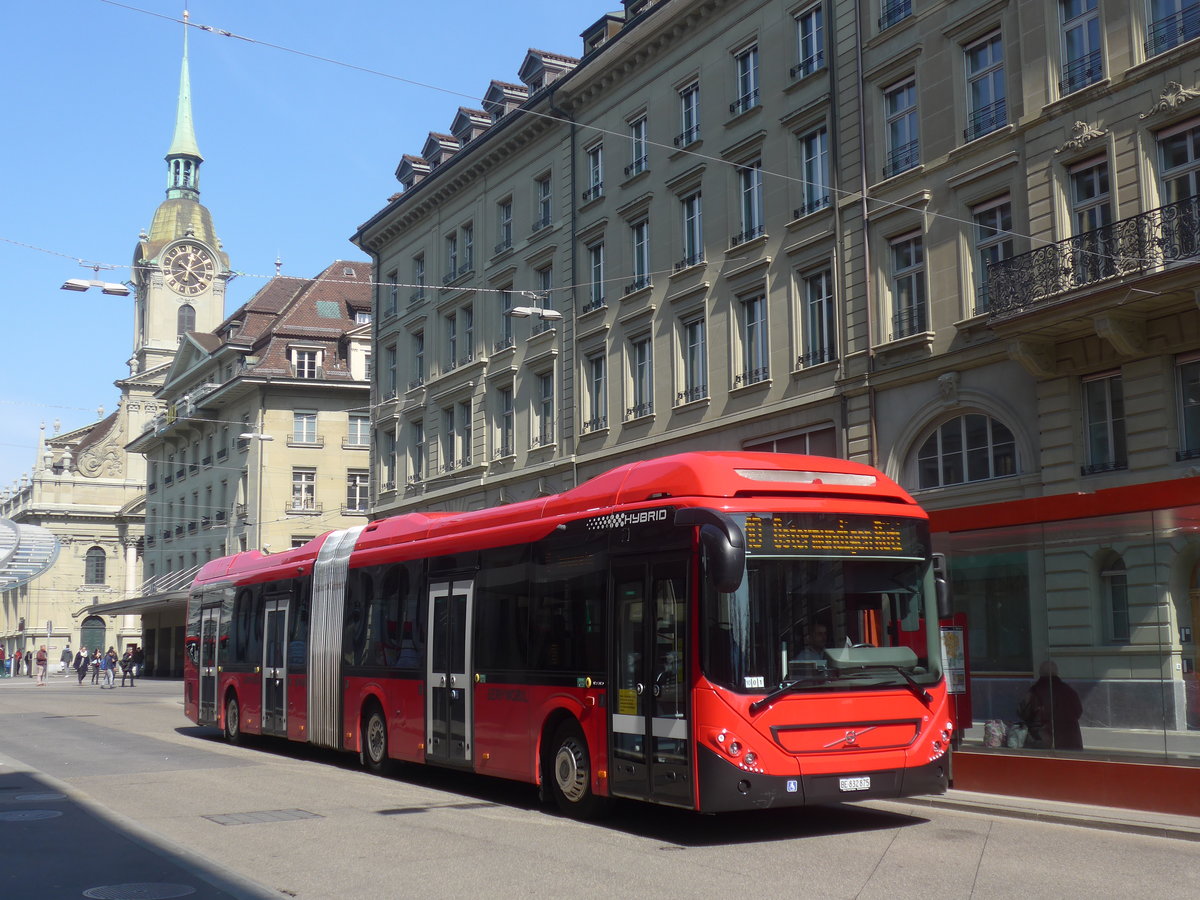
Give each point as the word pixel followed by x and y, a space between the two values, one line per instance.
pixel 860 783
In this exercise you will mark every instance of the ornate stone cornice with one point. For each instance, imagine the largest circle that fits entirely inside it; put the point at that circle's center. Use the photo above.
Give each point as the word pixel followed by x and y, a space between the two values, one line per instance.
pixel 1173 96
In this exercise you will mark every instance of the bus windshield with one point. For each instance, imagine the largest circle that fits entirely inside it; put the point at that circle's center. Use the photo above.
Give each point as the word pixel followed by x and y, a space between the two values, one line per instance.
pixel 827 603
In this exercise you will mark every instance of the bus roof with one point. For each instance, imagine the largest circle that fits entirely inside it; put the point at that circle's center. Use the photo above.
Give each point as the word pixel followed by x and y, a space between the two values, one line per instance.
pixel 688 479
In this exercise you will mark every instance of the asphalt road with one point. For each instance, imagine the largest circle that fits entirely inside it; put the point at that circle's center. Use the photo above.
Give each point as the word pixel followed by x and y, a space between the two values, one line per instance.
pixel 112 793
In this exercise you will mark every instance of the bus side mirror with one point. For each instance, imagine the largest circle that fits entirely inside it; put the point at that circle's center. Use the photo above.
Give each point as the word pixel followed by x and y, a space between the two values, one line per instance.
pixel 723 545
pixel 941 583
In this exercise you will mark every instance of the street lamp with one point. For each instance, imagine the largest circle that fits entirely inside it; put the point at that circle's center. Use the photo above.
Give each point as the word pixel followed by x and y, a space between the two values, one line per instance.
pixel 524 312
pixel 106 287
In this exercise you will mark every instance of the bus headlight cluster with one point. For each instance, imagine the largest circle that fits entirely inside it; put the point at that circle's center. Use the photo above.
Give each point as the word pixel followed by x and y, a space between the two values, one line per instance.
pixel 729 744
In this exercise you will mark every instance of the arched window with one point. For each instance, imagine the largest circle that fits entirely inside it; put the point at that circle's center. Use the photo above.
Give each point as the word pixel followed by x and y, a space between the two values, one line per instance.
pixel 973 447
pixel 94 566
pixel 187 319
pixel 1114 589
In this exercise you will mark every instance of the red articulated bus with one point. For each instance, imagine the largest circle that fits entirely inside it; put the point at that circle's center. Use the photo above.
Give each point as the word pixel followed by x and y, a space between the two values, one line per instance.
pixel 712 631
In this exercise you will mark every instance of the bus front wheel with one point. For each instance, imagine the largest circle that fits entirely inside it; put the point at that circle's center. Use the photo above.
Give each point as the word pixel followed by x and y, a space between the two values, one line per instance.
pixel 570 774
pixel 233 722
pixel 374 753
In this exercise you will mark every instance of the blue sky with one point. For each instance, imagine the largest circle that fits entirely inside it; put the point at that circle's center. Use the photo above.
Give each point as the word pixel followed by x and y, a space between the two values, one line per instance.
pixel 298 153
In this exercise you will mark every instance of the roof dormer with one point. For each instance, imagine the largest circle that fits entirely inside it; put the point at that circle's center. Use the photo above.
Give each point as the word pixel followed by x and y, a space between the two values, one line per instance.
pixel 469 124
pixel 542 68
pixel 439 148
pixel 601 32
pixel 502 98
pixel 411 170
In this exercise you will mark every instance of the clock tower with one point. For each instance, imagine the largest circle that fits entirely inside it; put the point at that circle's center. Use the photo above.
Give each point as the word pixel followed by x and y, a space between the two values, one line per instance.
pixel 179 268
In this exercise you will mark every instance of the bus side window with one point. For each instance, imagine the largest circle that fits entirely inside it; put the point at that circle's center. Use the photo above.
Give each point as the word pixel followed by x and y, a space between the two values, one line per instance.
pixel 502 610
pixel 298 627
pixel 356 627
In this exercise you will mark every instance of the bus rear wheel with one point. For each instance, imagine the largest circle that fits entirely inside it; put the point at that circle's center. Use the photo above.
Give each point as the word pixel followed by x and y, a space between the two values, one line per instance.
pixel 374 753
pixel 233 722
pixel 570 774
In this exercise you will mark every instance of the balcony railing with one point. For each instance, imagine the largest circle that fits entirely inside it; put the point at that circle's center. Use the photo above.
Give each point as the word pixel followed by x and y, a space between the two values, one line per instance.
pixel 639 410
pixel 746 236
pixel 1079 73
pixel 752 376
pixel 416 296
pixel 306 440
pixel 638 166
pixel 894 11
pixel 543 222
pixel 986 119
pixel 808 65
pixel 811 206
pixel 596 190
pixel 592 306
pixel 688 136
pixel 692 394
pixel 902 158
pixel 1130 246
pixel 304 506
pixel 1173 30
pixel 503 344
pixel 505 243
pixel 909 321
pixel 598 423
pixel 688 261
pixel 744 103
pixel 641 281
pixel 815 357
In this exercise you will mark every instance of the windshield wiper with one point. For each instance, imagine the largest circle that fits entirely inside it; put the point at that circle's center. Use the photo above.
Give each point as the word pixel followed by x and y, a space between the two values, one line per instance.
pixel 788 688
pixel 921 694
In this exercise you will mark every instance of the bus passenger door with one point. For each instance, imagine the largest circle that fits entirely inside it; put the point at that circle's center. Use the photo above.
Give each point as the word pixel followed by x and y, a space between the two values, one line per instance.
pixel 651 759
pixel 209 629
pixel 274 666
pixel 448 711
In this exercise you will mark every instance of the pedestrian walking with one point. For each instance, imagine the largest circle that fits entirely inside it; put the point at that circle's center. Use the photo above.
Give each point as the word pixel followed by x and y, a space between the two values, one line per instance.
pixel 139 660
pixel 17 658
pixel 43 659
pixel 81 663
pixel 29 663
pixel 108 665
pixel 127 666
pixel 64 661
pixel 3 663
pixel 94 664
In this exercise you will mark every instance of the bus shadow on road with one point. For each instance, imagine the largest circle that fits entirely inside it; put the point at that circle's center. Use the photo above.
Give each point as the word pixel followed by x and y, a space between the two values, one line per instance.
pixel 468 791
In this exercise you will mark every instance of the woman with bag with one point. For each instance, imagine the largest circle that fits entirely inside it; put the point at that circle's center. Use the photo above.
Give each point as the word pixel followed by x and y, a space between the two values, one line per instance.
pixel 1051 709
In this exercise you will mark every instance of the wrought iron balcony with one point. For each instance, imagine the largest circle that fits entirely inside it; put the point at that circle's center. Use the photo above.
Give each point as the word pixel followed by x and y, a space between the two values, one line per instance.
pixel 593 305
pixel 986 119
pixel 1171 31
pixel 598 423
pixel 902 158
pixel 692 394
pixel 815 357
pixel 1130 246
pixel 688 261
pixel 750 233
pixel 894 11
pixel 811 206
pixel 744 103
pixel 909 321
pixel 751 376
pixel 639 411
pixel 809 64
pixel 1080 72
pixel 688 136
pixel 596 190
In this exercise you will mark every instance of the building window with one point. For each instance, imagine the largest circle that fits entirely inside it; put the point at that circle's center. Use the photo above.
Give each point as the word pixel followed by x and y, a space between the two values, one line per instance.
pixel 393 290
pixel 968 448
pixel 304 427
pixel 451 359
pixel 505 425
pixel 752 320
pixel 306 362
pixel 456 436
pixel 358 430
pixel 418 359
pixel 695 361
pixel 1179 156
pixel 893 11
pixel 814 169
pixel 814 442
pixel 908 286
pixel 1171 23
pixel 596 393
pixel 640 234
pixel 641 378
pixel 817 338
pixel 745 80
pixel 545 280
pixel 986 104
pixel 1083 61
pixel 993 243
pixel 1115 588
pixel 751 193
pixel 95 566
pixel 810 40
pixel 451 257
pixel 1104 419
pixel 357 490
pixel 504 217
pixel 543 203
pixel 304 488
pixel 185 320
pixel 595 277
pixel 506 333
pixel 1091 211
pixel 595 173
pixel 689 115
pixel 467 245
pixel 639 154
pixel 543 412
pixel 390 361
pixel 900 111
pixel 1188 379
pixel 693 232
pixel 416 452
pixel 418 278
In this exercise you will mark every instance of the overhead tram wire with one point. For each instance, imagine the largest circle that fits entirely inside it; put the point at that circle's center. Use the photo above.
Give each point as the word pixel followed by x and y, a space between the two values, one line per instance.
pixel 843 194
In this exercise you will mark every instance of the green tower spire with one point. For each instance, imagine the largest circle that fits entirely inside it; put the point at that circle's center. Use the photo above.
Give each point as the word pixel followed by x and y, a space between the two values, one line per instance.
pixel 183 158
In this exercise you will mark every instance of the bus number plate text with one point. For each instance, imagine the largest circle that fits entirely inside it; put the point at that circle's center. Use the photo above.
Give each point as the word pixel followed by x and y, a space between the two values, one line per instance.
pixel 860 783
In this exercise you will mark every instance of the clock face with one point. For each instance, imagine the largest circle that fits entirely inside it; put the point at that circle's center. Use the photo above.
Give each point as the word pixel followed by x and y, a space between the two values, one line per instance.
pixel 189 269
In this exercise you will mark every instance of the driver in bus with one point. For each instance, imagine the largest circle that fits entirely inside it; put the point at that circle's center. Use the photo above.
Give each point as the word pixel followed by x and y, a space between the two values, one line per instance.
pixel 816 641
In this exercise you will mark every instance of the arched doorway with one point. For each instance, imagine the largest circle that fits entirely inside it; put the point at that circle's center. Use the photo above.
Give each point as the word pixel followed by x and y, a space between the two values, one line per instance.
pixel 91 634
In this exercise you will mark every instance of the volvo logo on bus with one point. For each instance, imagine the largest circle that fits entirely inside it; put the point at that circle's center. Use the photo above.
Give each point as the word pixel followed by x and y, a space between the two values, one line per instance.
pixel 625 519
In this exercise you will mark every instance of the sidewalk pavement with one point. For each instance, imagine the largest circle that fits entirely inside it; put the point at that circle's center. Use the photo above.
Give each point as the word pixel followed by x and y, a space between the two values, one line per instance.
pixel 1107 818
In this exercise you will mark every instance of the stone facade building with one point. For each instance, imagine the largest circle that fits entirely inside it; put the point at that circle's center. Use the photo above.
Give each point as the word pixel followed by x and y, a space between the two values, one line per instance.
pixel 955 240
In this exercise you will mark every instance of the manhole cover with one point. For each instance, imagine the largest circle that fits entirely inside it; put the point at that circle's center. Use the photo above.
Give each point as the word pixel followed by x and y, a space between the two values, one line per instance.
pixel 38 798
pixel 146 891
pixel 28 815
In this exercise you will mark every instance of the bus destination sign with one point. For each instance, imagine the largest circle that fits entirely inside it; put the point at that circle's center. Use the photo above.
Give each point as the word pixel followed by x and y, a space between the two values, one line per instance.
pixel 816 534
